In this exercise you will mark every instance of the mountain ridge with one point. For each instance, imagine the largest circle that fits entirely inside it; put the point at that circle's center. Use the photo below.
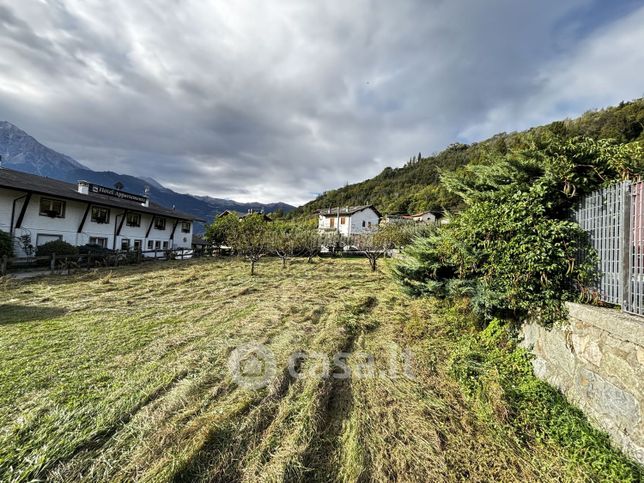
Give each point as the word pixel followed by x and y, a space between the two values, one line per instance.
pixel 416 186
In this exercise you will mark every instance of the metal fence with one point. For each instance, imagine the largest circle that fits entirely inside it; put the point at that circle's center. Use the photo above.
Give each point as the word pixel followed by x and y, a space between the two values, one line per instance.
pixel 614 219
pixel 635 283
pixel 601 215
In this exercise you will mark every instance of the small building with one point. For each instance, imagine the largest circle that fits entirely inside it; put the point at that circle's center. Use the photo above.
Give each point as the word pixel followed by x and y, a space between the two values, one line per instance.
pixel 423 217
pixel 35 210
pixel 348 220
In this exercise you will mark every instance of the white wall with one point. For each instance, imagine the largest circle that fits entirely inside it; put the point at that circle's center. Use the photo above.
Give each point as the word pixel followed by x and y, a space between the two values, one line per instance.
pixel 425 217
pixel 34 224
pixel 368 216
pixel 6 204
pixel 324 224
pixel 353 224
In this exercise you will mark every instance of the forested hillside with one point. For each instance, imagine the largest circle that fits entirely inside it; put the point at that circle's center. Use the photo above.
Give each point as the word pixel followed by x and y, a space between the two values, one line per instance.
pixel 415 186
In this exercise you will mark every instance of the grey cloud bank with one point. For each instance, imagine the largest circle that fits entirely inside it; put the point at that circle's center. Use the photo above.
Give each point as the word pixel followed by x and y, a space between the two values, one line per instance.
pixel 272 101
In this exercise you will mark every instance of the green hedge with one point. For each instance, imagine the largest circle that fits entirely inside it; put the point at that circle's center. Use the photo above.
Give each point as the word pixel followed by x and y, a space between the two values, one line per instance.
pixel 513 251
pixel 6 245
pixel 58 247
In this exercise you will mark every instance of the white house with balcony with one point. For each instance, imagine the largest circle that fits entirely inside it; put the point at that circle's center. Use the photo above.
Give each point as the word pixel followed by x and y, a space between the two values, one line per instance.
pixel 35 210
pixel 348 220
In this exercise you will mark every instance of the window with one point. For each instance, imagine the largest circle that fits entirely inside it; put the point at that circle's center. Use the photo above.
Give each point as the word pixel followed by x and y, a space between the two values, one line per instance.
pixel 369 224
pixel 137 244
pixel 42 239
pixel 100 215
pixel 343 220
pixel 150 244
pixel 159 223
pixel 125 244
pixel 52 208
pixel 364 223
pixel 157 245
pixel 185 227
pixel 101 242
pixel 332 222
pixel 165 245
pixel 133 219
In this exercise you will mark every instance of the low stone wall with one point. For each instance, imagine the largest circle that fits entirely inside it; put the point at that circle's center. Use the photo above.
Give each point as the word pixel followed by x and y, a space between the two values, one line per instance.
pixel 597 361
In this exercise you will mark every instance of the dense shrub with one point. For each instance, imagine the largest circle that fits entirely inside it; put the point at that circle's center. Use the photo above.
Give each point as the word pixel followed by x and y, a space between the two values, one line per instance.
pixel 94 249
pixel 58 247
pixel 6 245
pixel 512 250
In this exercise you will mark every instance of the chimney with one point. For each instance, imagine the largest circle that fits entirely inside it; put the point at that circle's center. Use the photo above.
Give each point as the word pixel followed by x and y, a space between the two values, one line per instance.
pixel 146 203
pixel 83 187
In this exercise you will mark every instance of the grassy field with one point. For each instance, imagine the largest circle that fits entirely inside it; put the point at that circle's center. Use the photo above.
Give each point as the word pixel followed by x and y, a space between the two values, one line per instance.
pixel 124 376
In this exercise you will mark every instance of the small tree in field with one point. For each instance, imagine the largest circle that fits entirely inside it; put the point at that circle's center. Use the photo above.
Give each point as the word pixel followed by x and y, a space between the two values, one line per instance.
pixel 308 242
pixel 374 244
pixel 220 230
pixel 282 240
pixel 249 237
pixel 334 242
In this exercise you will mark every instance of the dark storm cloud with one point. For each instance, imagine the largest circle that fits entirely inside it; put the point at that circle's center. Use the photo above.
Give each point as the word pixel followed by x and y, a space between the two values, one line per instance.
pixel 281 100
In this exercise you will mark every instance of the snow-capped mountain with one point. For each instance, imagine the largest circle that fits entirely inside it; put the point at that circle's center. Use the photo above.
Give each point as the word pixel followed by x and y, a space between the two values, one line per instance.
pixel 22 152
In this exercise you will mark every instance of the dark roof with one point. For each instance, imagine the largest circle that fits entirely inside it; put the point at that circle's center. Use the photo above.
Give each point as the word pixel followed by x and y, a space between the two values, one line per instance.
pixel 346 210
pixel 19 181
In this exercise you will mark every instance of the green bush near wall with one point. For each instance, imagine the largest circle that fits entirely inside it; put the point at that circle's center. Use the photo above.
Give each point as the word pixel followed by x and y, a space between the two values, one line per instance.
pixel 513 251
pixel 6 245
pixel 58 247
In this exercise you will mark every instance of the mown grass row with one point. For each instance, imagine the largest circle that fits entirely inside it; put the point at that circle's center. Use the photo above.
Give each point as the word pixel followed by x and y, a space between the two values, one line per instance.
pixel 123 376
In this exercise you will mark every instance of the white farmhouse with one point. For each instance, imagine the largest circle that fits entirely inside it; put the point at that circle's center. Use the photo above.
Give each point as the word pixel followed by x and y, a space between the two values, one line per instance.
pixel 349 220
pixel 41 210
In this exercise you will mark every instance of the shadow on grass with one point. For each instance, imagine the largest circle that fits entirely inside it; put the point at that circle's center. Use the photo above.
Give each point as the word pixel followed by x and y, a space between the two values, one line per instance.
pixel 15 314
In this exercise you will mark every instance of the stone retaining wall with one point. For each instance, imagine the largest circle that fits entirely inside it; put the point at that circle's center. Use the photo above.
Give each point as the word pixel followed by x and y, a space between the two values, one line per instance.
pixel 597 361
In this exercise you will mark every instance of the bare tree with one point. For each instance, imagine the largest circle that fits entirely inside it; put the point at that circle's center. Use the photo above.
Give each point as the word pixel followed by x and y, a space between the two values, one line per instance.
pixel 308 242
pixel 374 244
pixel 334 242
pixel 249 238
pixel 283 240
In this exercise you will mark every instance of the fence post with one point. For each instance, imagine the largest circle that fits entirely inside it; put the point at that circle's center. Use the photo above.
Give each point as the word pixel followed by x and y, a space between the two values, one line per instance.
pixel 89 260
pixel 52 263
pixel 3 265
pixel 139 256
pixel 625 245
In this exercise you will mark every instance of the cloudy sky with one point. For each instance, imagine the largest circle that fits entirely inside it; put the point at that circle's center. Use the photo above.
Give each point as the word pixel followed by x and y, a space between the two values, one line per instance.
pixel 283 99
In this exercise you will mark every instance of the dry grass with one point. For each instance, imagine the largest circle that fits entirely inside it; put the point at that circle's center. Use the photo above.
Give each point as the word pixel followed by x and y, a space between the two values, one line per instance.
pixel 123 376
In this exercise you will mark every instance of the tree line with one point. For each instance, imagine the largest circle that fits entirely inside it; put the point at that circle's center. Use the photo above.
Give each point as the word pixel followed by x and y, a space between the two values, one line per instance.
pixel 254 237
